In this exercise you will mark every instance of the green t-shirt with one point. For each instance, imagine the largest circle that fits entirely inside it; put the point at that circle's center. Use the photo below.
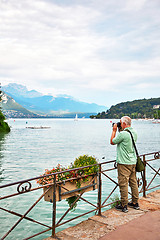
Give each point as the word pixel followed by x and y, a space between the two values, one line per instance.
pixel 125 149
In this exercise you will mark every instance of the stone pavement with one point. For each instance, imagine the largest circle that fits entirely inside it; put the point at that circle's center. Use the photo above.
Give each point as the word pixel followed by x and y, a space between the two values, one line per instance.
pixel 145 227
pixel 134 225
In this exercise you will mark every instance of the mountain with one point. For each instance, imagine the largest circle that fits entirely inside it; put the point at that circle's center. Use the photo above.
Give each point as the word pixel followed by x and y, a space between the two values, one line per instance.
pixel 142 108
pixel 47 104
pixel 17 89
pixel 12 109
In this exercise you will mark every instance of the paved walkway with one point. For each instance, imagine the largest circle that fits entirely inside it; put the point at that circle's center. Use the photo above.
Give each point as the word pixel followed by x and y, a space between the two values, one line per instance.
pixel 143 224
pixel 146 227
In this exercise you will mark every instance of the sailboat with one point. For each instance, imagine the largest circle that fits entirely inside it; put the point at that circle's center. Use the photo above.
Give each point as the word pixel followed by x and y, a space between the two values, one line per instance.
pixel 76 118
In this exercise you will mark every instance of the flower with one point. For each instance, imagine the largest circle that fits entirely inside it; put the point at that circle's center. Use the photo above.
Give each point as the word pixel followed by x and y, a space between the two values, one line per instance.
pixel 79 175
pixel 59 177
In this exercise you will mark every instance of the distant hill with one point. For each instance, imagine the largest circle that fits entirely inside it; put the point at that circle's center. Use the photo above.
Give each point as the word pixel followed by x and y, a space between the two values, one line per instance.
pixel 11 109
pixel 143 108
pixel 47 104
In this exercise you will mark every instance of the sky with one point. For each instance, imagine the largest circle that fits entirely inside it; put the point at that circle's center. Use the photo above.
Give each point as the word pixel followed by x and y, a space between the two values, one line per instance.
pixel 104 51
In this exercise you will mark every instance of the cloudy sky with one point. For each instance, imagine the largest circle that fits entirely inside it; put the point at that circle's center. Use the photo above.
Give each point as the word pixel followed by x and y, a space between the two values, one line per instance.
pixel 104 51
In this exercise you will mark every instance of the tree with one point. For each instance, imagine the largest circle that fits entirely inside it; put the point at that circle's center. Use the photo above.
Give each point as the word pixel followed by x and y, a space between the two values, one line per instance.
pixel 143 108
pixel 3 125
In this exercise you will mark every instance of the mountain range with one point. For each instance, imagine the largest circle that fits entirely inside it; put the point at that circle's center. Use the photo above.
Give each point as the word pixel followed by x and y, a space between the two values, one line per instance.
pixel 17 96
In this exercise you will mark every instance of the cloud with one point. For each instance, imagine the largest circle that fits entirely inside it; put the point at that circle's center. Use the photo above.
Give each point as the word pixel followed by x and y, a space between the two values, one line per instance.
pixel 80 48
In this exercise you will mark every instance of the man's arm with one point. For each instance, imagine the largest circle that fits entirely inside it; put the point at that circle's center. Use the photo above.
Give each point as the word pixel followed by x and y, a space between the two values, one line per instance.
pixel 113 133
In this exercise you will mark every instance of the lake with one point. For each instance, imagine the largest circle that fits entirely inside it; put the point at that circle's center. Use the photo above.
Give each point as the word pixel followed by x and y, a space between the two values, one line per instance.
pixel 26 153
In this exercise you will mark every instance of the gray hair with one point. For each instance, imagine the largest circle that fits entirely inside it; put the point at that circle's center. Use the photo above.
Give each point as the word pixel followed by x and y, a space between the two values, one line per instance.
pixel 127 120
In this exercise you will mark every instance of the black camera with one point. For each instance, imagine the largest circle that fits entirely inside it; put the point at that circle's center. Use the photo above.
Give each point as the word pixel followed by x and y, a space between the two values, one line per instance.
pixel 118 125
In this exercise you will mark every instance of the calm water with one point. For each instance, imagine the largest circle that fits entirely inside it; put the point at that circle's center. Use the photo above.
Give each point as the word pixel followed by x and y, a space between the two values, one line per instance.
pixel 25 153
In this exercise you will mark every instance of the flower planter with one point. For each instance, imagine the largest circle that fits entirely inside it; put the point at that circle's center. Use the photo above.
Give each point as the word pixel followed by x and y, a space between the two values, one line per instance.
pixel 69 189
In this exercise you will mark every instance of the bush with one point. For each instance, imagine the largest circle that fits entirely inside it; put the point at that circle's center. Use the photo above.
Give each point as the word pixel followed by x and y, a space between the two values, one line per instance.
pixel 3 125
pixel 2 118
pixel 82 174
pixel 115 201
pixel 86 160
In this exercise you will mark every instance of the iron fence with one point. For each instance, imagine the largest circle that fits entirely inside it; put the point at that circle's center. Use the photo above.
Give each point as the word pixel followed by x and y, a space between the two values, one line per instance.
pixel 26 186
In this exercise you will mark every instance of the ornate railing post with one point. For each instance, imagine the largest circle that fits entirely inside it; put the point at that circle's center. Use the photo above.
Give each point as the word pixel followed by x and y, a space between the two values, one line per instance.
pixel 54 209
pixel 144 177
pixel 99 190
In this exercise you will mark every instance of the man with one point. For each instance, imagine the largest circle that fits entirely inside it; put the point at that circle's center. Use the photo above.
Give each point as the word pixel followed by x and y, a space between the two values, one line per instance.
pixel 126 163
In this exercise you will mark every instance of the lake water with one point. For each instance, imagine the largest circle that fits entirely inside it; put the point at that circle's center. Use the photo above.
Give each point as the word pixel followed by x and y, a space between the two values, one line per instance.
pixel 26 153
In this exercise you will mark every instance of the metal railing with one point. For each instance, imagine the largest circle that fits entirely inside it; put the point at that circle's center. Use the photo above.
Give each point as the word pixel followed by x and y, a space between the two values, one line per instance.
pixel 27 186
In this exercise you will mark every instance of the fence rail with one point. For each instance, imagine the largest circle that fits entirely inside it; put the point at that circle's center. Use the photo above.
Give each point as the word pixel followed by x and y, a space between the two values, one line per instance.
pixel 27 186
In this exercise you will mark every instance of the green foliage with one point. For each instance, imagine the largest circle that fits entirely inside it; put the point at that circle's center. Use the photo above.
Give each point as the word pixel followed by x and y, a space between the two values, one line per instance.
pixel 82 161
pixel 2 118
pixel 71 200
pixel 3 125
pixel 157 114
pixel 86 160
pixel 75 176
pixel 115 201
pixel 135 109
pixel 4 128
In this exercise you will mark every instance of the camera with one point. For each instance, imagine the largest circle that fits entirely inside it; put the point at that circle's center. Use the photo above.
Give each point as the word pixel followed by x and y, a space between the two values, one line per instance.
pixel 118 125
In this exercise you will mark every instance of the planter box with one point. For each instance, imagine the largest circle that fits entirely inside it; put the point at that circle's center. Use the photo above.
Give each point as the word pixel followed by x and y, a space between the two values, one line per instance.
pixel 62 193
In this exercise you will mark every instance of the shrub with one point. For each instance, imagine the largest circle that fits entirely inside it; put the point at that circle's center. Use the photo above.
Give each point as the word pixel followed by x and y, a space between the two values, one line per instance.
pixel 86 160
pixel 3 125
pixel 115 201
pixel 82 174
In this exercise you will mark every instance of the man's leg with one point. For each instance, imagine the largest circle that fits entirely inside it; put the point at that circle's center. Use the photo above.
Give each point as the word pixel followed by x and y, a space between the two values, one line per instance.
pixel 134 186
pixel 123 179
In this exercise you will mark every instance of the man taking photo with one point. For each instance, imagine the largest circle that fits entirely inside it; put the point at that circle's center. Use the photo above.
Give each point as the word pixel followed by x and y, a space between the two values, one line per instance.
pixel 126 163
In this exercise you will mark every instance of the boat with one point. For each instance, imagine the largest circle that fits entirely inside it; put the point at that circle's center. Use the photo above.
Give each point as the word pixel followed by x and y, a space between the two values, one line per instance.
pixel 41 127
pixel 76 118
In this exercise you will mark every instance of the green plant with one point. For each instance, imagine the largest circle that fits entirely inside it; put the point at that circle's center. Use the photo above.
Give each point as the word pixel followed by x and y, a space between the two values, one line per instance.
pixel 115 201
pixel 79 175
pixel 71 200
pixel 86 160
pixel 82 161
pixel 3 125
